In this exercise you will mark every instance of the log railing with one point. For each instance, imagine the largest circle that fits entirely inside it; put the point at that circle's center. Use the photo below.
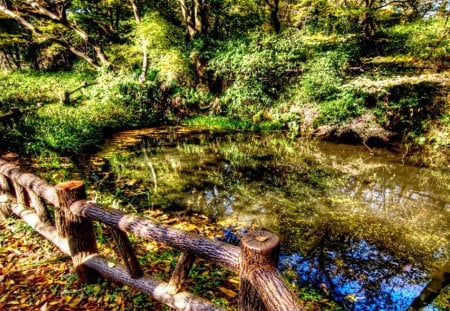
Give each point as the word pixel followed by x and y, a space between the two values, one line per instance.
pixel 7 119
pixel 71 230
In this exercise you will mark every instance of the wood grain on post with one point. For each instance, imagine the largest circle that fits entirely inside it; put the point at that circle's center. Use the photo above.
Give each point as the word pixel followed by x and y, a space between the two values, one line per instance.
pixel 258 249
pixel 5 190
pixel 180 272
pixel 21 195
pixel 5 186
pixel 274 292
pixel 79 231
pixel 39 206
pixel 262 286
pixel 126 252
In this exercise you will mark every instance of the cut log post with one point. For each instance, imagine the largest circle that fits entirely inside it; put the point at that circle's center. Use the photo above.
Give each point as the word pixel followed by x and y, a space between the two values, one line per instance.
pixel 79 231
pixel 125 250
pixel 65 95
pixel 180 272
pixel 258 248
pixel 13 115
pixel 261 285
pixel 40 207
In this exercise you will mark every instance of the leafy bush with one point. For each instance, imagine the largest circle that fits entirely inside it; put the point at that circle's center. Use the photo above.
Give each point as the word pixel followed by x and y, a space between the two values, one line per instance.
pixel 114 102
pixel 322 80
pixel 410 107
pixel 164 42
pixel 257 68
pixel 423 38
pixel 348 104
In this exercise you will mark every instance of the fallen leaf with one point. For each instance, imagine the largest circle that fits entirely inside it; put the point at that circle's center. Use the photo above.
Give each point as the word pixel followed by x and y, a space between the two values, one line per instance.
pixel 230 293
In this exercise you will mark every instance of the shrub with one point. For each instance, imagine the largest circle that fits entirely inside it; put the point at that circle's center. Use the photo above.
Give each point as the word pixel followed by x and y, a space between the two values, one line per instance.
pixel 257 68
pixel 423 38
pixel 348 104
pixel 115 102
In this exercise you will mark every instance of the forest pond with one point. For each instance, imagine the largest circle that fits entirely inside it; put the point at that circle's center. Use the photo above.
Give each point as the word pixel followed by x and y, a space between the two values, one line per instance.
pixel 363 227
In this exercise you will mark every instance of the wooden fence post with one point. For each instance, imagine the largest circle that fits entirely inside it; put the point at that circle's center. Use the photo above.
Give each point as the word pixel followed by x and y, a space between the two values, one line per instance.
pixel 4 184
pixel 79 231
pixel 21 195
pixel 180 272
pixel 40 207
pixel 258 249
pixel 5 188
pixel 126 252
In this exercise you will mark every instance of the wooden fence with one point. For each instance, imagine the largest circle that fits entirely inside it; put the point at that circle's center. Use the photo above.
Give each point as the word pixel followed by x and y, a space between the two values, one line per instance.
pixel 7 119
pixel 70 228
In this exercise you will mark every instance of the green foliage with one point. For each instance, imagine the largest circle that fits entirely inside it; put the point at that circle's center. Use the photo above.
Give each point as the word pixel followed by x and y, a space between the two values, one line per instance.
pixel 410 108
pixel 114 102
pixel 422 38
pixel 257 67
pixel 218 122
pixel 164 46
pixel 28 88
pixel 348 104
pixel 322 80
pixel 230 124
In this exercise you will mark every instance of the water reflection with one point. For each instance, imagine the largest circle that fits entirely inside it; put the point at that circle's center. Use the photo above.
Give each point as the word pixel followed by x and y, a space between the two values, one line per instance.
pixel 364 228
pixel 359 275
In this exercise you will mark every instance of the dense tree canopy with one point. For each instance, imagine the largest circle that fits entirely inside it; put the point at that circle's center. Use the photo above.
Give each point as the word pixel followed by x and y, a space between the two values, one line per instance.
pixel 50 33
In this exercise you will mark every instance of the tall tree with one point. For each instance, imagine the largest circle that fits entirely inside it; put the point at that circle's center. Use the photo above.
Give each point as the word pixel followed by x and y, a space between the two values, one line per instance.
pixel 137 18
pixel 195 16
pixel 274 9
pixel 38 16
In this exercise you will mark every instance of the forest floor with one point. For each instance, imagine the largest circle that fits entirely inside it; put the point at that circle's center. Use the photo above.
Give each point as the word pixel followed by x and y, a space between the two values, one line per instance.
pixel 35 275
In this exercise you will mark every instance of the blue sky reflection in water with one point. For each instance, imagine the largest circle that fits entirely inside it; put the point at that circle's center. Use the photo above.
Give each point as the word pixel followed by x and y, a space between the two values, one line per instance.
pixel 363 227
pixel 360 285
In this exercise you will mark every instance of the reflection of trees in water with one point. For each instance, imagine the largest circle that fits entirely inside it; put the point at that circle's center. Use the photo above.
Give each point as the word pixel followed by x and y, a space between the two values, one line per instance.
pixel 401 199
pixel 364 262
pixel 439 280
pixel 358 274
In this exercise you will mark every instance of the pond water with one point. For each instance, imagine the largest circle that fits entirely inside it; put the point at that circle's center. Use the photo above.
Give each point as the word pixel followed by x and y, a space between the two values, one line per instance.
pixel 360 226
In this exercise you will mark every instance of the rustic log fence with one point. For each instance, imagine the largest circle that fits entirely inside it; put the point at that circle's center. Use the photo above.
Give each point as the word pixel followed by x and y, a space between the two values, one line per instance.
pixel 7 119
pixel 71 230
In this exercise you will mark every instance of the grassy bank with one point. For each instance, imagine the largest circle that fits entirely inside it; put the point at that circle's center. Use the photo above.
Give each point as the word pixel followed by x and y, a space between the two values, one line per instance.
pixel 310 83
pixel 110 102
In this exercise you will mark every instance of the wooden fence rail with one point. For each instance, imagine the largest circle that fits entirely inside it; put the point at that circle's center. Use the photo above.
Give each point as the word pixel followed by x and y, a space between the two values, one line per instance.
pixel 71 230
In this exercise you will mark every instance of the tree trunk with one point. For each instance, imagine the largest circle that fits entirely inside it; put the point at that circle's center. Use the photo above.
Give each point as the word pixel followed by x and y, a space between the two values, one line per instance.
pixel 195 17
pixel 143 76
pixel 439 281
pixel 188 18
pixel 274 8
